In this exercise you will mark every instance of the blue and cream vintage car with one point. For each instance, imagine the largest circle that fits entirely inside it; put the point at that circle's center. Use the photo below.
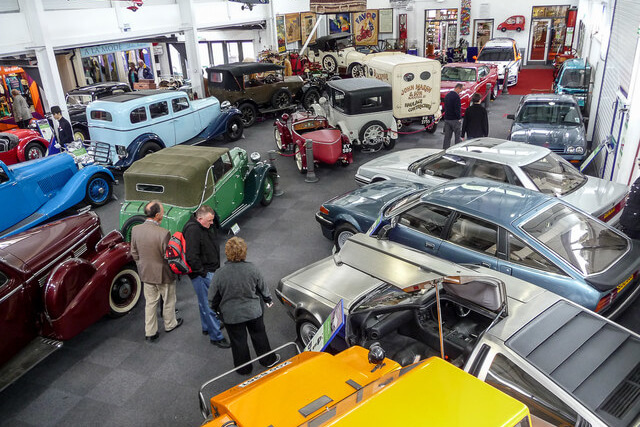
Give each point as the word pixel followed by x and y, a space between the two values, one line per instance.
pixel 127 127
pixel 35 191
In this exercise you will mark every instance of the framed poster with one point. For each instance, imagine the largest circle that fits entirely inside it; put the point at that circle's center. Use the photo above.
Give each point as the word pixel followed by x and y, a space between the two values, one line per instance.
pixel 307 22
pixel 339 23
pixel 402 25
pixel 292 22
pixel 282 44
pixel 385 19
pixel 365 27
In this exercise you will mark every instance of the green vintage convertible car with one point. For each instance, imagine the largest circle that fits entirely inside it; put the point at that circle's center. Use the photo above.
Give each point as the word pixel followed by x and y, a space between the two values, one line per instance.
pixel 185 177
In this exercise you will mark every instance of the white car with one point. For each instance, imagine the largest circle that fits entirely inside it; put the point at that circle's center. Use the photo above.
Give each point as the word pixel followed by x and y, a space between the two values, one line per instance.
pixel 336 53
pixel 504 53
pixel 530 166
pixel 362 109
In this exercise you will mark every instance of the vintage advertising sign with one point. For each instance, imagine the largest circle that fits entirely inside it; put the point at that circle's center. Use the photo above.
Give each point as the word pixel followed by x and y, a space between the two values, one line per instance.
pixel 328 329
pixel 335 6
pixel 292 22
pixel 307 22
pixel 365 27
pixel 339 23
pixel 282 44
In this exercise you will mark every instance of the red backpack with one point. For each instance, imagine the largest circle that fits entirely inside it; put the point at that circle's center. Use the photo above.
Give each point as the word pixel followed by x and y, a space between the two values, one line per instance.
pixel 175 254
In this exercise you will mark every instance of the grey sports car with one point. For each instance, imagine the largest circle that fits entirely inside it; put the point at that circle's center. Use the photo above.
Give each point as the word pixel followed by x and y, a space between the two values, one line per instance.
pixel 568 365
pixel 529 166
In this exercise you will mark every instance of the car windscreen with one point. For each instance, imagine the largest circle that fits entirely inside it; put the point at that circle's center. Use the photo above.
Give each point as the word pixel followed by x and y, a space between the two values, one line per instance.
pixel 384 296
pixel 549 112
pixel 404 201
pixel 587 244
pixel 458 74
pixel 574 79
pixel 554 175
pixel 496 54
pixel 78 99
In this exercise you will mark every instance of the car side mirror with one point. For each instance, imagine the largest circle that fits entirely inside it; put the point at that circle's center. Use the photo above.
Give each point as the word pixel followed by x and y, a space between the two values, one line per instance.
pixel 225 104
pixel 383 234
pixel 511 116
pixel 285 117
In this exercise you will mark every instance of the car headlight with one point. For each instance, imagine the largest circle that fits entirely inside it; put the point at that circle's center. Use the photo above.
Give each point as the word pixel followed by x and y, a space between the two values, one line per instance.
pixel 121 151
pixel 579 150
pixel 571 150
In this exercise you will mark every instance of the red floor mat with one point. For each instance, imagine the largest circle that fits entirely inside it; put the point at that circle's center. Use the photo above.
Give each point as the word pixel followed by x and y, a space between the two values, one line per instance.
pixel 533 80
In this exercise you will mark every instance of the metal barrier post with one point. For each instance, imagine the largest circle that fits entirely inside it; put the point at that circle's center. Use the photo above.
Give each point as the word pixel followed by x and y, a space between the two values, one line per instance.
pixel 277 191
pixel 505 90
pixel 311 175
pixel 488 97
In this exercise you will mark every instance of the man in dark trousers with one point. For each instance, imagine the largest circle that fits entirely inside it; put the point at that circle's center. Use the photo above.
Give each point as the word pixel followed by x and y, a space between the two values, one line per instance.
pixel 452 116
pixel 203 256
pixel 63 131
pixel 476 122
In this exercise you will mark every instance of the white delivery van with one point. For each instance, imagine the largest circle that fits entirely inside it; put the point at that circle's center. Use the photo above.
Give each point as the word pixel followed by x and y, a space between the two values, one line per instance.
pixel 415 84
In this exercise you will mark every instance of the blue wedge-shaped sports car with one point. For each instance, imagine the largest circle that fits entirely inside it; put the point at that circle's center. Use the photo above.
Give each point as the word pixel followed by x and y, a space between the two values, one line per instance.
pixel 523 233
pixel 34 191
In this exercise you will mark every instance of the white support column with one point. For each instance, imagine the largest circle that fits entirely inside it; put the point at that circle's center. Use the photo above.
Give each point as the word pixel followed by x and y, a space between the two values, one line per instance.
pixel 51 84
pixel 191 46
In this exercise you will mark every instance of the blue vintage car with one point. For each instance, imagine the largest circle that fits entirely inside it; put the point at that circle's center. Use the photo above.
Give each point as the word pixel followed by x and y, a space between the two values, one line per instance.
pixel 34 191
pixel 527 234
pixel 127 127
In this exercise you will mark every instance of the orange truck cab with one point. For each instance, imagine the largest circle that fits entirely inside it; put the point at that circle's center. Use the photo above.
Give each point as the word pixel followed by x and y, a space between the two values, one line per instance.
pixel 359 388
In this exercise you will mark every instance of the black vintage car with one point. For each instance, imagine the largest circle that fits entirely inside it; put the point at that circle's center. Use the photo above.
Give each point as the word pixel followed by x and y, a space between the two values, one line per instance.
pixel 259 88
pixel 79 98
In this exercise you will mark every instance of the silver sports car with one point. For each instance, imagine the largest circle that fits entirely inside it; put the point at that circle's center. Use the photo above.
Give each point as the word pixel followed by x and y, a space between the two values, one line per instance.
pixel 529 166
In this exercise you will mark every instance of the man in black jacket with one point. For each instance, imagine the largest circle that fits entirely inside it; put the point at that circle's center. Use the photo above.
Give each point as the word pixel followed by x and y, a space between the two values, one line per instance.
pixel 452 116
pixel 64 132
pixel 203 256
pixel 476 121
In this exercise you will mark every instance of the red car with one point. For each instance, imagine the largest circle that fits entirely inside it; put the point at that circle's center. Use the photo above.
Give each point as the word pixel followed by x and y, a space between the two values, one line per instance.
pixel 329 144
pixel 474 77
pixel 515 22
pixel 55 281
pixel 19 145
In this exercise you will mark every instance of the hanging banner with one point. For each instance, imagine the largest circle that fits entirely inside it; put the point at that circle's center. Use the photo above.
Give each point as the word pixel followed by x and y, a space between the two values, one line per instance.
pixel 307 22
pixel 339 23
pixel 365 27
pixel 385 19
pixel 282 44
pixel 465 17
pixel 333 6
pixel 292 22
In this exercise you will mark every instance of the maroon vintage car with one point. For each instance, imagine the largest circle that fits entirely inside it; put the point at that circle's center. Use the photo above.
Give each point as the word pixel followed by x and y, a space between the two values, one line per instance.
pixel 329 144
pixel 474 78
pixel 55 281
pixel 19 145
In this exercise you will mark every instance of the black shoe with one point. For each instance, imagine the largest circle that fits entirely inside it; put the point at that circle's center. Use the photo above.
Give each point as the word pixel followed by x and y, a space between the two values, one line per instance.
pixel 152 338
pixel 245 371
pixel 221 326
pixel 223 343
pixel 272 364
pixel 205 332
pixel 180 321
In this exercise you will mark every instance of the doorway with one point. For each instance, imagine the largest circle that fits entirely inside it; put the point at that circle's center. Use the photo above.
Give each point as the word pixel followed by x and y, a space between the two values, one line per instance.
pixel 539 39
pixel 483 32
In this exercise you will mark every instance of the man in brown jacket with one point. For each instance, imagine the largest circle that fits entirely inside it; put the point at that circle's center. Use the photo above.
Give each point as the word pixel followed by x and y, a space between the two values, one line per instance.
pixel 148 244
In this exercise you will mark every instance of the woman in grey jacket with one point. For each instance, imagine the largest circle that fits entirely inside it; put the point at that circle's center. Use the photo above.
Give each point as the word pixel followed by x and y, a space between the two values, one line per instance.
pixel 21 111
pixel 237 292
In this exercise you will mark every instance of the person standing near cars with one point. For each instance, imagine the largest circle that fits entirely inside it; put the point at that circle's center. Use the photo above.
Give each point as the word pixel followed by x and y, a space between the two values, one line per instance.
pixel 476 121
pixel 144 73
pixel 21 111
pixel 630 217
pixel 238 291
pixel 203 256
pixel 63 130
pixel 452 116
pixel 148 245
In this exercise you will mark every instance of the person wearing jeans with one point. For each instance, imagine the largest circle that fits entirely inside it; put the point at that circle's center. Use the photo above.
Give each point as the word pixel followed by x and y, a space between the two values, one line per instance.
pixel 203 256
pixel 452 115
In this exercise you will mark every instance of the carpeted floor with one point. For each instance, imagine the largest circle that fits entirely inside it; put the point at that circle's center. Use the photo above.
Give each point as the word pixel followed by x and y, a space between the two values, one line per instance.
pixel 533 80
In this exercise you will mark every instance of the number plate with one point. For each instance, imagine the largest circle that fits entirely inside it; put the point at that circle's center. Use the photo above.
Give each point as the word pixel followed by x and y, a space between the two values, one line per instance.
pixel 622 285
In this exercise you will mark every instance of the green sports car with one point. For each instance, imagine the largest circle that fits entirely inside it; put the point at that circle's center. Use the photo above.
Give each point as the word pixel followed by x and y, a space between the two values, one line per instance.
pixel 185 177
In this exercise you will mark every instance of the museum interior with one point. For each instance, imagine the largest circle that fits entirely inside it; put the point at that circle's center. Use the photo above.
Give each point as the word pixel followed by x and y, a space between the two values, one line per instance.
pixel 343 207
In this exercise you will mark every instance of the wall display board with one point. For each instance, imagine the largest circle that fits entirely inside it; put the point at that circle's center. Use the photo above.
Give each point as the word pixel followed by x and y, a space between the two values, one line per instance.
pixel 280 30
pixel 365 27
pixel 336 6
pixel 339 23
pixel 465 17
pixel 440 29
pixel 292 25
pixel 385 21
pixel 307 22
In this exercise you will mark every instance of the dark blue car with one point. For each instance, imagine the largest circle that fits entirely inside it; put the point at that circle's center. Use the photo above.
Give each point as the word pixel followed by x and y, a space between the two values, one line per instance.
pixel 527 234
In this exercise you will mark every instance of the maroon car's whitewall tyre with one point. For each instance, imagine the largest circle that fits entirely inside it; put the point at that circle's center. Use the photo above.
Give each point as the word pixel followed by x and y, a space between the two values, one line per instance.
pixel 278 138
pixel 300 158
pixel 494 91
pixel 124 292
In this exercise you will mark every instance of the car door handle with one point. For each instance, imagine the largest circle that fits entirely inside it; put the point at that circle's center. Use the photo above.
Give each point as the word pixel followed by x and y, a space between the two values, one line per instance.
pixel 485 264
pixel 430 245
pixel 506 270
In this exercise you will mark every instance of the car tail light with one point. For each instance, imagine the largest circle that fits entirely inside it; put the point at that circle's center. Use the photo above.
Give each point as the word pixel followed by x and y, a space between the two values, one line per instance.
pixel 324 210
pixel 614 210
pixel 611 296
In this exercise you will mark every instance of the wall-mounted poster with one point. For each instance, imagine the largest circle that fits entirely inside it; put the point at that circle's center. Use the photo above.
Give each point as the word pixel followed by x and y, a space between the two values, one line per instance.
pixel 307 22
pixel 292 22
pixel 385 19
pixel 365 27
pixel 465 17
pixel 339 23
pixel 282 44
pixel 337 6
pixel 402 25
